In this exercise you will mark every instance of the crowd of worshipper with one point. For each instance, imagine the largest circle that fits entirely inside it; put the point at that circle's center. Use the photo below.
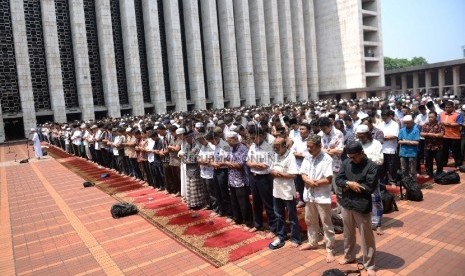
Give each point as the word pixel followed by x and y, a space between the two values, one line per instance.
pixel 287 156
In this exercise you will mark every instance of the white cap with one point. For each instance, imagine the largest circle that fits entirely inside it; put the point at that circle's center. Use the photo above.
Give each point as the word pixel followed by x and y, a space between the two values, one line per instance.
pixel 407 118
pixel 256 116
pixel 231 134
pixel 180 118
pixel 233 128
pixel 172 121
pixel 93 126
pixel 155 127
pixel 180 131
pixel 128 129
pixel 33 129
pixel 83 126
pixel 210 125
pixel 198 125
pixel 362 129
pixel 463 107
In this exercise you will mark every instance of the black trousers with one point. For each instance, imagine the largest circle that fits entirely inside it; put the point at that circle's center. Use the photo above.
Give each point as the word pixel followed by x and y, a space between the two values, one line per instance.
pixel 454 145
pixel 158 175
pixel 299 185
pixel 240 203
pixel 148 173
pixel 135 167
pixel 212 200
pixel 420 155
pixel 221 188
pixel 429 156
pixel 262 193
pixel 390 168
pixel 176 175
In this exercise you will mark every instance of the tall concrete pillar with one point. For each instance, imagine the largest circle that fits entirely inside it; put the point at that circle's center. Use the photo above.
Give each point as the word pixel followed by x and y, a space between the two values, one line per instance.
pixel 427 81
pixel 415 83
pixel 2 126
pixel 175 56
pixel 23 70
pixel 52 55
pixel 441 81
pixel 81 59
pixel 211 46
pixel 404 83
pixel 154 55
pixel 287 50
pixel 194 52
pixel 456 80
pixel 310 49
pixel 260 62
pixel 107 58
pixel 393 83
pixel 228 52
pixel 273 51
pixel 300 58
pixel 244 51
pixel 131 56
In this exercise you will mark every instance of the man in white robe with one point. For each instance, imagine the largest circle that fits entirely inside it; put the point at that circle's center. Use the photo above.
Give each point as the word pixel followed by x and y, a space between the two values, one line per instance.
pixel 36 142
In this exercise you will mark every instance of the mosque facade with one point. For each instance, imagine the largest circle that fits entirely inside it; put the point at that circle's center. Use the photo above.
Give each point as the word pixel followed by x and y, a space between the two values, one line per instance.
pixel 65 60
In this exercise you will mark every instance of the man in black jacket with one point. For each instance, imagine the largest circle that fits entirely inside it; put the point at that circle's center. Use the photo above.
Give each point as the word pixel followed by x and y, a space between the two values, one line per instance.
pixel 358 178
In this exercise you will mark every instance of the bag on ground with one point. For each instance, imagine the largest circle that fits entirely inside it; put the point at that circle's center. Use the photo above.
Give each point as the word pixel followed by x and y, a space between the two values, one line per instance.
pixel 119 210
pixel 88 184
pixel 337 222
pixel 389 202
pixel 413 190
pixel 446 178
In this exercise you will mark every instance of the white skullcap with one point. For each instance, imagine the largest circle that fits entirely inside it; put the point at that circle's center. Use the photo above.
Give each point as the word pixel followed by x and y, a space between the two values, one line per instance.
pixel 407 118
pixel 128 129
pixel 199 125
pixel 246 114
pixel 362 129
pixel 33 129
pixel 68 128
pixel 452 97
pixel 463 107
pixel 363 116
pixel 210 125
pixel 83 126
pixel 233 128
pixel 231 134
pixel 93 126
pixel 256 116
pixel 180 118
pixel 155 127
pixel 215 119
pixel 172 122
pixel 180 131
pixel 343 112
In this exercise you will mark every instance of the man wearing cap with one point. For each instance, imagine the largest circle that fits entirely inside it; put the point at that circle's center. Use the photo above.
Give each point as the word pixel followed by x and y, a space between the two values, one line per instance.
pixel 358 179
pixel 36 141
pixel 374 151
pixel 390 128
pixel 452 122
pixel 409 137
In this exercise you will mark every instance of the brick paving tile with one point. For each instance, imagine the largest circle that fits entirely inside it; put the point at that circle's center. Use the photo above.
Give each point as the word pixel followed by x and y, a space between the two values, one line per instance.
pixel 45 209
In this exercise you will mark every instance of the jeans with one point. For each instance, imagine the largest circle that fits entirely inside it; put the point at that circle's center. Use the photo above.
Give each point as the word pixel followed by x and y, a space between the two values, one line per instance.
pixel 279 211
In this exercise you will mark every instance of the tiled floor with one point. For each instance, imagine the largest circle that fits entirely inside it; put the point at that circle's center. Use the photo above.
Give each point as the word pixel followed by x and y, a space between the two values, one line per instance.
pixel 50 225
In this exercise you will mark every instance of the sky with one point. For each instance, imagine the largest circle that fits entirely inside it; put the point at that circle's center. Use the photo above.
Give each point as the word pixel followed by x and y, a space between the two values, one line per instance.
pixel 433 29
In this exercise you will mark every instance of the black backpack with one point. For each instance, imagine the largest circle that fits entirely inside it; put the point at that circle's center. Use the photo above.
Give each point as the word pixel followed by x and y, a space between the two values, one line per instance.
pixel 413 190
pixel 119 210
pixel 88 184
pixel 462 168
pixel 389 202
pixel 446 178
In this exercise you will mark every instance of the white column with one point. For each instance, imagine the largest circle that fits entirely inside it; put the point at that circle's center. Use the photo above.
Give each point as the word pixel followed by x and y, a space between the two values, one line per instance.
pixel 2 126
pixel 154 55
pixel 211 45
pixel 81 59
pixel 228 52
pixel 244 51
pixel 415 83
pixel 456 80
pixel 300 63
pixel 310 49
pixel 441 81
pixel 175 57
pixel 273 50
pixel 194 52
pixel 131 56
pixel 404 82
pixel 260 62
pixel 107 58
pixel 287 52
pixel 52 55
pixel 427 81
pixel 23 70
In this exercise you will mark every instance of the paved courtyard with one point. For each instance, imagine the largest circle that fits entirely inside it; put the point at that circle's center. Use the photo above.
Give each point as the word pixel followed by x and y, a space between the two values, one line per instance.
pixel 51 225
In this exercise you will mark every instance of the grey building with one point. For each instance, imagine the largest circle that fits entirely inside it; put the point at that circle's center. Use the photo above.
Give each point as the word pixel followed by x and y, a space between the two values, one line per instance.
pixel 64 60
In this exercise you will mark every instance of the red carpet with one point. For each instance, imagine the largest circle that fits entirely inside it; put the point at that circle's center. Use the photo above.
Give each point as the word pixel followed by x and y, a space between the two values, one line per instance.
pixel 213 239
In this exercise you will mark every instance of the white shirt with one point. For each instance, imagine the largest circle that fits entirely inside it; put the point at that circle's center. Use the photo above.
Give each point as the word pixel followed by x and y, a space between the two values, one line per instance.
pixel 261 154
pixel 374 151
pixel 76 138
pixel 390 129
pixel 150 155
pixel 420 120
pixel 221 151
pixel 299 146
pixel 284 188
pixel 205 153
pixel 318 168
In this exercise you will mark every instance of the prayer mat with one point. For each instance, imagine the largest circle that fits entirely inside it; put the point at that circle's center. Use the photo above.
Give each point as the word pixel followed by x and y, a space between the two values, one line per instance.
pixel 214 239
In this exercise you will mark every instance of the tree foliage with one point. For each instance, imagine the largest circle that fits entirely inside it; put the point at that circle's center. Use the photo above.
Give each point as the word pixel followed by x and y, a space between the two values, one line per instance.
pixel 397 63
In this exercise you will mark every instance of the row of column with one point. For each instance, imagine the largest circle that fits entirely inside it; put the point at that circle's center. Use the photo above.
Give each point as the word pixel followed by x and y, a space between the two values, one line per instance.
pixel 441 80
pixel 257 50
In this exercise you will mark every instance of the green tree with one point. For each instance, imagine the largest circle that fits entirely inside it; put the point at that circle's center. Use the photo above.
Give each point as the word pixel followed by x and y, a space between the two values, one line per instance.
pixel 397 63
